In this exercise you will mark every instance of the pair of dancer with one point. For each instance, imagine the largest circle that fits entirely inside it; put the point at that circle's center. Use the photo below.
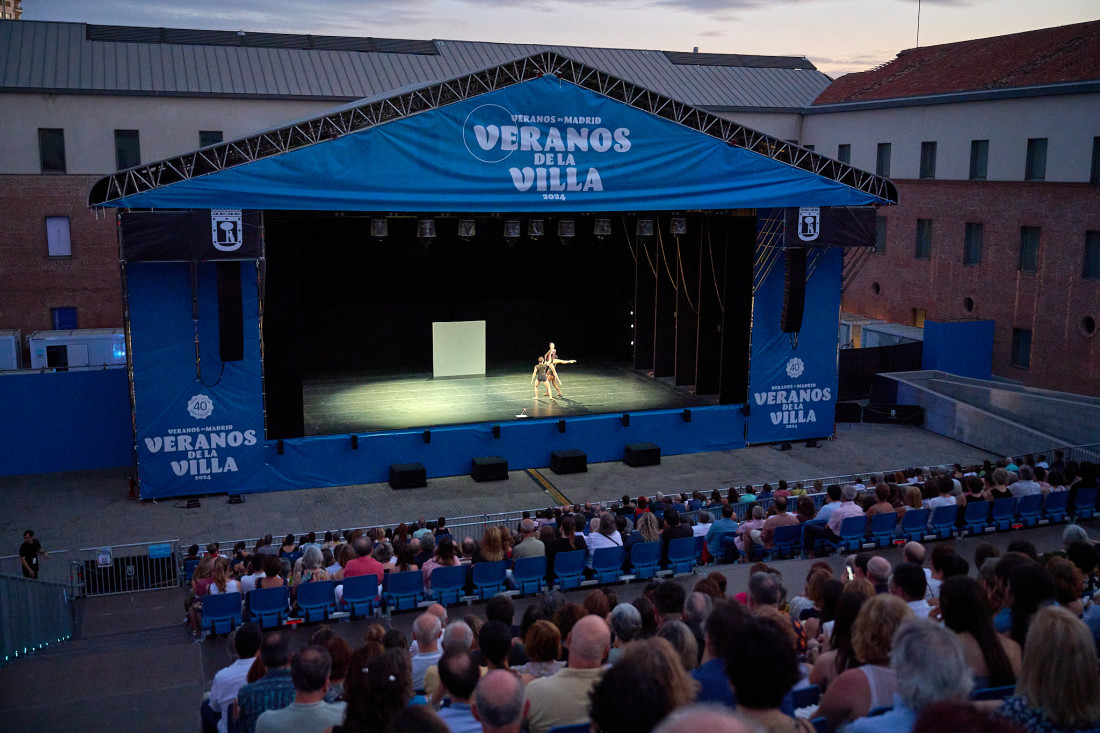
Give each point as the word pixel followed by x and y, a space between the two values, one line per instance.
pixel 546 373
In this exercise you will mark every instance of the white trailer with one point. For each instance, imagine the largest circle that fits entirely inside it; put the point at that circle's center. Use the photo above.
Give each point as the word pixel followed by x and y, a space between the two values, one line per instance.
pixel 11 350
pixel 85 348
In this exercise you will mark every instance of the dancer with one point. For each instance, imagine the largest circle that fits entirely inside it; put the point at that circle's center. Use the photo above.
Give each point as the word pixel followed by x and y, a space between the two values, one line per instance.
pixel 540 376
pixel 553 378
pixel 551 356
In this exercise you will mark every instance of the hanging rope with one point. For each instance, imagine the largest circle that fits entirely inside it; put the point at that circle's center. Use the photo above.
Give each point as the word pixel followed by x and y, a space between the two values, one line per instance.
pixel 713 273
pixel 682 278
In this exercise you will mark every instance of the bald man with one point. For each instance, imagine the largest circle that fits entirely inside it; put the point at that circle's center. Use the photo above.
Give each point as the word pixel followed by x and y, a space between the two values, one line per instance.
pixel 499 702
pixel 562 699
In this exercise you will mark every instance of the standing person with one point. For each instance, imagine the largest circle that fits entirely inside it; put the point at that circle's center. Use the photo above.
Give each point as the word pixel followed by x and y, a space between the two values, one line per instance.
pixel 540 375
pixel 29 552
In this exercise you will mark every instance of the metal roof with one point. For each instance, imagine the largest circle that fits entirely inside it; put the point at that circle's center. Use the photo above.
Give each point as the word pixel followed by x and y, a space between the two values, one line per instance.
pixel 76 58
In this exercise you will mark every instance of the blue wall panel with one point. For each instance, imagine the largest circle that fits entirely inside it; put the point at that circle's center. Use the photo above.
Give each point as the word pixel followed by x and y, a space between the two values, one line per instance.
pixel 964 348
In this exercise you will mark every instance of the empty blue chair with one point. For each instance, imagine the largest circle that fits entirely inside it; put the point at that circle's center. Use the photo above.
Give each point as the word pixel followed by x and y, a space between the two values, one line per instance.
pixel 360 594
pixel 644 557
pixel 316 600
pixel 1085 505
pixel 568 568
pixel 913 525
pixel 976 516
pixel 1003 514
pixel 221 613
pixel 1055 505
pixel 883 525
pixel 447 584
pixel 681 555
pixel 269 606
pixel 1029 508
pixel 607 563
pixel 851 534
pixel 787 540
pixel 529 574
pixel 189 569
pixel 489 578
pixel 404 590
pixel 943 519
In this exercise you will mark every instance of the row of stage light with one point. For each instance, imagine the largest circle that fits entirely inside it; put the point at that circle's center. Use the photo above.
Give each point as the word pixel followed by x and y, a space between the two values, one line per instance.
pixel 536 227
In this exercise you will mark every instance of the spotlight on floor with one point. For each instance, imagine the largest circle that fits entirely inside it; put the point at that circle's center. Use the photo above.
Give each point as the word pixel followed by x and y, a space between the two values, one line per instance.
pixel 379 228
pixel 567 229
pixel 193 504
pixel 535 228
pixel 783 446
pixel 644 228
pixel 678 226
pixel 235 499
pixel 602 228
pixel 511 230
pixel 812 444
pixel 467 228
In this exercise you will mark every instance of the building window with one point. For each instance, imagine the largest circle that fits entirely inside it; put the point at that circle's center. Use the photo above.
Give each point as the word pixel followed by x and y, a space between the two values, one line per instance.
pixel 127 149
pixel 928 159
pixel 1029 249
pixel 1036 169
pixel 51 149
pixel 1021 347
pixel 844 153
pixel 882 160
pixel 979 159
pixel 880 235
pixel 64 319
pixel 972 247
pixel 57 236
pixel 1092 255
pixel 209 137
pixel 924 239
pixel 1094 172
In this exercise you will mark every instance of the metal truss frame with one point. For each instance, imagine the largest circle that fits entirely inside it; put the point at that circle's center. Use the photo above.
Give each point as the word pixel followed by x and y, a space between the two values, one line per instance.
pixel 374 112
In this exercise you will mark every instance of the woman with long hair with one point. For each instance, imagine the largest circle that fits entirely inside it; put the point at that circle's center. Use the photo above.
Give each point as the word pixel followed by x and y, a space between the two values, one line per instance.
pixel 839 655
pixel 646 526
pixel 445 556
pixel 805 509
pixel 994 659
pixel 491 548
pixel 1029 588
pixel 376 689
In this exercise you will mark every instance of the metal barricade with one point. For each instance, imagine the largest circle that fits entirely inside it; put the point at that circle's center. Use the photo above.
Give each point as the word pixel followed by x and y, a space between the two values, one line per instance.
pixel 33 615
pixel 53 568
pixel 100 571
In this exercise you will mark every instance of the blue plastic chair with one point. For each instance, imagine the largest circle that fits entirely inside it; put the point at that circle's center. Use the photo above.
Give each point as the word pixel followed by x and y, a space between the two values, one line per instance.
pixel 221 612
pixel 447 584
pixel 1029 509
pixel 976 516
pixel 700 545
pixel 269 606
pixel 883 525
pixel 1003 514
pixel 681 555
pixel 644 557
pixel 787 540
pixel 189 569
pixel 913 524
pixel 852 531
pixel 1085 505
pixel 568 568
pixel 806 696
pixel 607 563
pixel 316 600
pixel 1055 505
pixel 578 728
pixel 360 594
pixel 993 693
pixel 943 520
pixel 529 574
pixel 404 590
pixel 489 579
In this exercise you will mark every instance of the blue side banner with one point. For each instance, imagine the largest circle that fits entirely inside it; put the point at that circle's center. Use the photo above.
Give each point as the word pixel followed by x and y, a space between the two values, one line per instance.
pixel 541 145
pixel 200 429
pixel 793 376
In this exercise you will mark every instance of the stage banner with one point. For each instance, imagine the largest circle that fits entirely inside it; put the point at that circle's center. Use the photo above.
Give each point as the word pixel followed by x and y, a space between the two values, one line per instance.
pixel 199 421
pixel 833 226
pixel 792 376
pixel 540 145
pixel 173 236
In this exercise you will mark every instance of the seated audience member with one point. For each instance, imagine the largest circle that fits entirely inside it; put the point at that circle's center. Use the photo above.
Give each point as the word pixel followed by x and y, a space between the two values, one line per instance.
pixel 1069 584
pixel 909 583
pixel 1026 484
pixel 427 548
pixel 743 538
pixel 445 557
pixel 459 675
pixel 341 659
pixel 308 713
pixel 500 703
pixel 762 666
pixel 993 659
pixel 543 646
pixel 674 530
pixel 637 693
pixel 311 571
pixel 962 716
pixel 710 718
pixel 274 690
pixel 847 507
pixel 781 518
pixel 882 501
pixel 805 509
pixel 605 536
pixel 529 545
pixel 702 526
pixel 726 525
pixel 457 635
pixel 943 497
pixel 427 630
pixel 562 699
pixel 364 563
pixel 229 680
pixel 1058 688
pixel 222 582
pixel 1030 587
pixel 256 568
pixel 377 690
pixel 728 619
pixel 626 626
pixel 928 662
pixel 871 685
pixel 494 643
pixel 839 656
pixel 683 641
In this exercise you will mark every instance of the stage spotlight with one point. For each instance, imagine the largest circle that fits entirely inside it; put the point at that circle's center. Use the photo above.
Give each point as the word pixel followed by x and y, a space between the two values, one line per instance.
pixel 535 228
pixel 379 228
pixel 496 431
pixel 511 230
pixel 467 228
pixel 279 446
pixel 427 436
pixel 783 446
pixel 644 228
pixel 235 499
pixel 425 229
pixel 561 426
pixel 566 229
pixel 687 415
pixel 626 420
pixel 678 226
pixel 812 444
pixel 355 442
pixel 193 504
pixel 602 228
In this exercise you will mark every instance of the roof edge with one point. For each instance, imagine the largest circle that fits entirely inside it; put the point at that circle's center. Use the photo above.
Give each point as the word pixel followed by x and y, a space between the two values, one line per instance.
pixel 977 95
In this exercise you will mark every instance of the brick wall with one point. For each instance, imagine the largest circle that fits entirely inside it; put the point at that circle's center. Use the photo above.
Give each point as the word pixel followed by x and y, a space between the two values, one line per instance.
pixel 1051 301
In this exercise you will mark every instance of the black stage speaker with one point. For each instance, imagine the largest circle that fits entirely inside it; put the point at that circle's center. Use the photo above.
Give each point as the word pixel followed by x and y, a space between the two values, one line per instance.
pixel 489 468
pixel 230 312
pixel 408 476
pixel 794 290
pixel 642 454
pixel 568 461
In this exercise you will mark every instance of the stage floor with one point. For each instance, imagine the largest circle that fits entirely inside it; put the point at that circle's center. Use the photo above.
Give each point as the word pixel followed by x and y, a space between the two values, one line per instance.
pixel 370 401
